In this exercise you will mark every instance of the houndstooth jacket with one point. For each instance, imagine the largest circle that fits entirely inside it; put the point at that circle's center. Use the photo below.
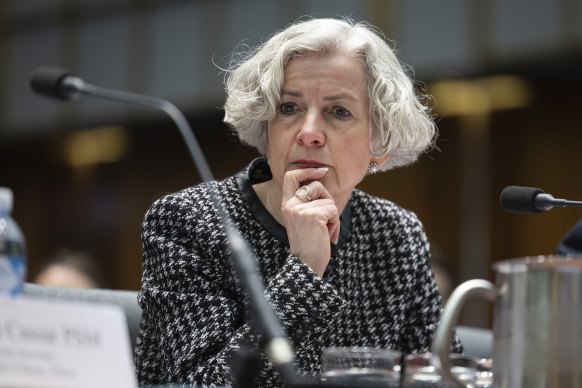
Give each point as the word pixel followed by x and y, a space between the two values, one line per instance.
pixel 377 291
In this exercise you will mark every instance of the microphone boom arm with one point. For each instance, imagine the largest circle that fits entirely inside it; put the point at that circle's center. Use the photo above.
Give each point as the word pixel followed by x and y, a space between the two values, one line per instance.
pixel 546 201
pixel 74 86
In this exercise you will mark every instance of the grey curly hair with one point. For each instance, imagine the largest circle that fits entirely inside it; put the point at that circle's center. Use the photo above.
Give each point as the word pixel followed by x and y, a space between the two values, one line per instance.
pixel 402 126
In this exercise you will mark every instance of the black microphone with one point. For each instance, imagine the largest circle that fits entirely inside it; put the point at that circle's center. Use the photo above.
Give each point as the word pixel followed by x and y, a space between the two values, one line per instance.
pixel 518 199
pixel 61 84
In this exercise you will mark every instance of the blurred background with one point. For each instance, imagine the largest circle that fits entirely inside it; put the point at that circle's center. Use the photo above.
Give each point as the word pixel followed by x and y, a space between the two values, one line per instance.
pixel 505 76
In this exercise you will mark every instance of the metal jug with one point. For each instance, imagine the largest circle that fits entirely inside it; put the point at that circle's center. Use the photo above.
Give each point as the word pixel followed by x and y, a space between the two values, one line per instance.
pixel 537 322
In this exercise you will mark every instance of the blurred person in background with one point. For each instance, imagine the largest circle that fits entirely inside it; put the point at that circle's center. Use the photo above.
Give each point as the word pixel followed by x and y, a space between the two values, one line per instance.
pixel 326 102
pixel 571 243
pixel 70 269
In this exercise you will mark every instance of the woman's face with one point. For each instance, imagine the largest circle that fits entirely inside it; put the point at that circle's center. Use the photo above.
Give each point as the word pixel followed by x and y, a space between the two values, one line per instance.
pixel 323 121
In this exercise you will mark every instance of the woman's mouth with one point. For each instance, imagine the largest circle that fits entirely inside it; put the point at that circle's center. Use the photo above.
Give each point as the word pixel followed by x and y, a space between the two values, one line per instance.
pixel 308 164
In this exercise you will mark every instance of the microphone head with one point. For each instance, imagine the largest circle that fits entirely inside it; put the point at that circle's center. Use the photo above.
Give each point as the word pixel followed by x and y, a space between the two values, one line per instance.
pixel 518 199
pixel 50 82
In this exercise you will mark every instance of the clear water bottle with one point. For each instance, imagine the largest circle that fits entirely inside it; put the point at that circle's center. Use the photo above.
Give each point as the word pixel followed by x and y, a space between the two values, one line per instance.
pixel 12 249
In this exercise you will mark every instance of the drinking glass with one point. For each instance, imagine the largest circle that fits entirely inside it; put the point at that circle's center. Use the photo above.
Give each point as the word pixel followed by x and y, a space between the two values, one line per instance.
pixel 419 371
pixel 361 367
pixel 484 376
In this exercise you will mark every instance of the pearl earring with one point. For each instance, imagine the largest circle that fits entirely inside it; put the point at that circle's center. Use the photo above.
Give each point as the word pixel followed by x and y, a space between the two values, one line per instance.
pixel 373 168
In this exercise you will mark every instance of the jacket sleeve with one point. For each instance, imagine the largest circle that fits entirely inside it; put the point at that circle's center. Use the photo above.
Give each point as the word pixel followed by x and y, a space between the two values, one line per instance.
pixel 194 315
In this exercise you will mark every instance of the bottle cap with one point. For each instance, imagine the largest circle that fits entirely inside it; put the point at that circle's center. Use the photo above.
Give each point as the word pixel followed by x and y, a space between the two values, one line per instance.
pixel 5 199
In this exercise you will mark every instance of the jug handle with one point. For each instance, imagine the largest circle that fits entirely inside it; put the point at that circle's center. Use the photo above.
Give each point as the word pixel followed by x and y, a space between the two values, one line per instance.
pixel 442 341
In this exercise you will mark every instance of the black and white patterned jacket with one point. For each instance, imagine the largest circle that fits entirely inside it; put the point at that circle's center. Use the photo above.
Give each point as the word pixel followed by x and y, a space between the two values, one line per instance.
pixel 377 291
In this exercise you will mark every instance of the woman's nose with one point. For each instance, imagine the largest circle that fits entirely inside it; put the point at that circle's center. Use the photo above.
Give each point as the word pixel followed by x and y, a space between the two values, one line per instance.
pixel 311 133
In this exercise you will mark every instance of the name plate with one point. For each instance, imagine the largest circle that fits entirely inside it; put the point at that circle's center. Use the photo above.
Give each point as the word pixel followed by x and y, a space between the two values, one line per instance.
pixel 55 344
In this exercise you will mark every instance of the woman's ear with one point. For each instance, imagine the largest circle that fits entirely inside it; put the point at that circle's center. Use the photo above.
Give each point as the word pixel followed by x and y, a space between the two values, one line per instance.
pixel 376 164
pixel 382 160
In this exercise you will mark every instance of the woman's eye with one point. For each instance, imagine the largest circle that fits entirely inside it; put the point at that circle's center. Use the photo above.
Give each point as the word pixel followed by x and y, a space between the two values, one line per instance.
pixel 341 112
pixel 287 108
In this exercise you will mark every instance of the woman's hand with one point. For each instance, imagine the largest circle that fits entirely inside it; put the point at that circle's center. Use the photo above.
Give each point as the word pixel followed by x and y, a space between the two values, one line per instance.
pixel 311 217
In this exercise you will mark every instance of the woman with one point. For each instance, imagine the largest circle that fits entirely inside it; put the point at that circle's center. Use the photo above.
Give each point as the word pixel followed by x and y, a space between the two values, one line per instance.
pixel 326 102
